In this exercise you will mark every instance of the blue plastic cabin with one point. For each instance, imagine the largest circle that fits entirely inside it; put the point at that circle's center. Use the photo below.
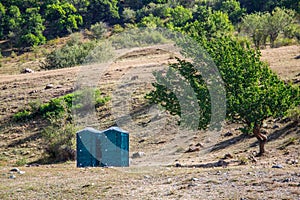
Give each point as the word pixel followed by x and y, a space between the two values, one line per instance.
pixel 102 148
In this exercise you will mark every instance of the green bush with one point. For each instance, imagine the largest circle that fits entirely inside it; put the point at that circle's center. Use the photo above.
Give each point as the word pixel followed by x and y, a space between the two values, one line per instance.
pixel 99 30
pixel 117 28
pixel 69 55
pixel 59 137
pixel 294 114
pixel 22 116
pixel 102 53
pixel 57 107
pixel 283 42
pixel 21 162
pixel 138 38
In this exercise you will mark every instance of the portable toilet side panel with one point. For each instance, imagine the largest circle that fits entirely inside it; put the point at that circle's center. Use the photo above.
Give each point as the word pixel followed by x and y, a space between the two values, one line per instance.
pixel 88 148
pixel 124 140
pixel 115 147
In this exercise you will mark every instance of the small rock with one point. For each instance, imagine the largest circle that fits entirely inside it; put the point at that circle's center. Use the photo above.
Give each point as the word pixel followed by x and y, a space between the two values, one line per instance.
pixel 178 165
pixel 252 158
pixel 21 172
pixel 195 179
pixel 88 185
pixel 199 145
pixel 218 173
pixel 12 176
pixel 221 163
pixel 192 149
pixel 279 166
pixel 169 180
pixel 138 155
pixel 147 176
pixel 33 91
pixel 228 134
pixel 265 125
pixel 291 161
pixel 275 126
pixel 15 170
pixel 49 86
pixel 294 161
pixel 33 165
pixel 192 185
pixel 228 155
pixel 286 180
pixel 28 70
pixel 134 78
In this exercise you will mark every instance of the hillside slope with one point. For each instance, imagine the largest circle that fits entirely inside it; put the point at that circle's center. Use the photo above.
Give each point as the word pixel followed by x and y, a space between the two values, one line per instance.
pixel 203 175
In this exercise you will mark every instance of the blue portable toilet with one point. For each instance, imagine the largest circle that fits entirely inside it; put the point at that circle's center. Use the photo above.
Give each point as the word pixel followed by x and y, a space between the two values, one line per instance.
pixel 102 148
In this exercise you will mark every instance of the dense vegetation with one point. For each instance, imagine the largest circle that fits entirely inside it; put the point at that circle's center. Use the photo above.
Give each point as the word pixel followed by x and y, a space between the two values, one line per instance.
pixel 25 23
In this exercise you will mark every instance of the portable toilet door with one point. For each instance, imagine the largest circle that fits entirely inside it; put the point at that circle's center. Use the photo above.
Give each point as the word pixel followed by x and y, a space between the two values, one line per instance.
pixel 88 148
pixel 114 147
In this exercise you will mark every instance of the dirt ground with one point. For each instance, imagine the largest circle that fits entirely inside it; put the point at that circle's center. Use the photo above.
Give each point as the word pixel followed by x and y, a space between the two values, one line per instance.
pixel 210 165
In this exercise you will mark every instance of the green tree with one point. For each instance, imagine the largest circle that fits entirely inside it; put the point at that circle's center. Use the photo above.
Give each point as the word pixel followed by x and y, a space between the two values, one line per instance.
pixel 233 9
pixel 13 23
pixel 128 15
pixel 253 92
pixel 62 18
pixel 208 23
pixel 277 22
pixel 157 10
pixel 2 16
pixel 102 10
pixel 151 22
pixel 178 16
pixel 268 5
pixel 32 28
pixel 254 25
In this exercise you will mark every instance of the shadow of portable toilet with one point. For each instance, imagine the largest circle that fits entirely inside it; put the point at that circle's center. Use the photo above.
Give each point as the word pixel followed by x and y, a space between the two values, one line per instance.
pixel 102 148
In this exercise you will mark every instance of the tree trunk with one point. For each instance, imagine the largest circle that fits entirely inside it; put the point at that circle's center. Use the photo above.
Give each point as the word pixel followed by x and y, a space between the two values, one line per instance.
pixel 273 37
pixel 262 139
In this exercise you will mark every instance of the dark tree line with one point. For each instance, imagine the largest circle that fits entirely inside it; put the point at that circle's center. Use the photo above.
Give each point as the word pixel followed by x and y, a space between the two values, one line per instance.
pixel 31 22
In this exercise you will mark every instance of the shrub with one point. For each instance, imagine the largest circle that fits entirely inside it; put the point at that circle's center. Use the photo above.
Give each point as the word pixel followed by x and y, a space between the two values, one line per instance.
pixel 59 137
pixel 283 42
pixel 117 28
pixel 99 30
pixel 129 15
pixel 294 114
pixel 23 115
pixel 103 52
pixel 63 105
pixel 138 38
pixel 21 162
pixel 69 55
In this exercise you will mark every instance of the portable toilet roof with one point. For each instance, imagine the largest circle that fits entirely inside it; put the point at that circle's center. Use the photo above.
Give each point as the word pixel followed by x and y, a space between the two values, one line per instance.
pixel 102 148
